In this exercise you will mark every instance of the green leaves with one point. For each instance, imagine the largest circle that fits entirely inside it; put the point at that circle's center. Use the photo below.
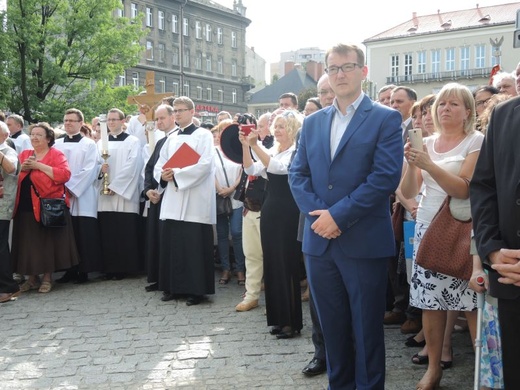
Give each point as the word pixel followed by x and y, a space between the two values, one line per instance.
pixel 51 46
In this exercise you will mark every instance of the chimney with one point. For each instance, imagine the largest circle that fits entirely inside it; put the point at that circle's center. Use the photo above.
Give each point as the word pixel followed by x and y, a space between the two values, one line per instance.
pixel 288 67
pixel 312 69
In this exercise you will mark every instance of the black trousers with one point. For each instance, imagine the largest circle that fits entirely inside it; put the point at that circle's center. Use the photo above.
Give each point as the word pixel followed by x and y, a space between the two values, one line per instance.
pixel 509 319
pixel 7 284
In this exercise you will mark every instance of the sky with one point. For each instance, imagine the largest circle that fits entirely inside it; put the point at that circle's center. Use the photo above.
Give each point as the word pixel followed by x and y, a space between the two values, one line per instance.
pixel 284 25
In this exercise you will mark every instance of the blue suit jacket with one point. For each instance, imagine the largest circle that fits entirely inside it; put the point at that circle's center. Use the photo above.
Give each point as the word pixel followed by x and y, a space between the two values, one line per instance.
pixel 355 185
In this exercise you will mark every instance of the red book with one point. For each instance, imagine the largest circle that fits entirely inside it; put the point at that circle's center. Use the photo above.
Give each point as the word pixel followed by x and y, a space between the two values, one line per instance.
pixel 183 157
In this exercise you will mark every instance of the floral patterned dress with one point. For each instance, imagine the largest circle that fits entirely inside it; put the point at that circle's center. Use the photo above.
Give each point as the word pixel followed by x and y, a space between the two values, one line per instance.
pixel 434 290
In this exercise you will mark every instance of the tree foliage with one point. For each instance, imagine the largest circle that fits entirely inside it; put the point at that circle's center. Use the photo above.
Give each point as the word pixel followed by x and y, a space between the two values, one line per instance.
pixel 304 95
pixel 52 49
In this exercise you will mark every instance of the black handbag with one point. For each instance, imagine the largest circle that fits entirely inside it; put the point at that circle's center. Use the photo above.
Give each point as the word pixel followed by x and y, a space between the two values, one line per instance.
pixel 52 210
pixel 224 206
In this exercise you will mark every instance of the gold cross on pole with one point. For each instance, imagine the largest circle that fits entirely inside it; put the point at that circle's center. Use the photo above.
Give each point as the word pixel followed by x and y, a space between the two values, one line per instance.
pixel 149 101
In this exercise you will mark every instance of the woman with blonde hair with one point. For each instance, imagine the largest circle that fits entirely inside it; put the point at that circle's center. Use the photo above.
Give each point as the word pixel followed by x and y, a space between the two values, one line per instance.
pixel 445 166
pixel 279 225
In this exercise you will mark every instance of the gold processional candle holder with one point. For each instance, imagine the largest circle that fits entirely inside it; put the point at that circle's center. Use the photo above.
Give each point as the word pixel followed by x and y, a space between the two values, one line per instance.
pixel 104 153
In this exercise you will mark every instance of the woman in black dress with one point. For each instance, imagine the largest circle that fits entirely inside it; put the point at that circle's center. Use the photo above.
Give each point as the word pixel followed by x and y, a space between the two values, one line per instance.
pixel 279 225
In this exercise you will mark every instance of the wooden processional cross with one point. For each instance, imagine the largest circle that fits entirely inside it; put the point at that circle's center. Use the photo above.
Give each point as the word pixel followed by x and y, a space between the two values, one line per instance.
pixel 149 101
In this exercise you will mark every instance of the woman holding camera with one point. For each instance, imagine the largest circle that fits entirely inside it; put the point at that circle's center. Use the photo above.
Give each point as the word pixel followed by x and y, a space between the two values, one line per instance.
pixel 279 225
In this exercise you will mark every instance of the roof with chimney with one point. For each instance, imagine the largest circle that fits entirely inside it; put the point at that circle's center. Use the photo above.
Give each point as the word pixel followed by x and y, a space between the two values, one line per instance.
pixel 451 21
pixel 295 81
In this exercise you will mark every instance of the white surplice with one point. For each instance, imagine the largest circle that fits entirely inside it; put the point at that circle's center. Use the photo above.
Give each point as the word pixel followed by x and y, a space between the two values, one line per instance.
pixel 84 163
pixel 191 197
pixel 124 175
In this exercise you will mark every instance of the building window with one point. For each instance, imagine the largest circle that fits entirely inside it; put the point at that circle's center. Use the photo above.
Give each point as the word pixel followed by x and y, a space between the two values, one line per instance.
pixel 175 56
pixel 121 10
pixel 175 24
pixel 187 89
pixel 436 62
pixel 161 50
pixel 122 79
pixel 220 35
pixel 135 79
pixel 160 16
pixel 234 95
pixel 209 94
pixel 220 95
pixel 185 27
pixel 394 67
pixel 175 88
pixel 464 59
pixel 208 63
pixel 186 58
pixel 408 66
pixel 149 17
pixel 133 10
pixel 198 60
pixel 450 59
pixel 208 32
pixel 480 56
pixel 199 92
pixel 233 39
pixel 220 65
pixel 234 68
pixel 149 50
pixel 198 30
pixel 162 84
pixel 421 62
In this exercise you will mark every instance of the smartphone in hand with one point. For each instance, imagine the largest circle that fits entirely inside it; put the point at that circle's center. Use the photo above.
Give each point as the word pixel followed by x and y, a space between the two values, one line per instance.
pixel 246 129
pixel 415 136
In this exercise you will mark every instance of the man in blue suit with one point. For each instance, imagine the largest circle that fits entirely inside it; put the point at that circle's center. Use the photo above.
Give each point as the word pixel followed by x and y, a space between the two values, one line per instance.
pixel 348 163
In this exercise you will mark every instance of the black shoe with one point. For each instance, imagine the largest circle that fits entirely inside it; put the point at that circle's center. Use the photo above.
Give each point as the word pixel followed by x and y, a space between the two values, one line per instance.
pixel 194 300
pixel 152 287
pixel 167 296
pixel 119 276
pixel 287 333
pixel 109 276
pixel 275 330
pixel 411 342
pixel 82 278
pixel 67 277
pixel 315 367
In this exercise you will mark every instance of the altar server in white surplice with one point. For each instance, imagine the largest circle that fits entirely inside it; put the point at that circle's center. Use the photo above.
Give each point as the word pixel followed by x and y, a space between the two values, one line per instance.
pixel 188 211
pixel 84 163
pixel 118 212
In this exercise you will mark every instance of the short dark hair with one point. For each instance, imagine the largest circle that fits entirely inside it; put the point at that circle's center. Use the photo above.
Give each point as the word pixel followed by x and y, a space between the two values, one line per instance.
pixel 485 88
pixel 76 112
pixel 117 111
pixel 346 49
pixel 292 96
pixel 207 125
pixel 315 101
pixel 412 95
pixel 49 132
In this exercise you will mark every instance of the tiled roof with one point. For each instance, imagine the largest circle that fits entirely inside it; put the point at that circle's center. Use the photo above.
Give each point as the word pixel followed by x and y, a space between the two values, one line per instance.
pixel 296 81
pixel 450 21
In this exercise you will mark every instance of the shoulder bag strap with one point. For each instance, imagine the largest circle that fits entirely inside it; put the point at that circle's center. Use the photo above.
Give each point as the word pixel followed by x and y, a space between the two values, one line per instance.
pixel 224 169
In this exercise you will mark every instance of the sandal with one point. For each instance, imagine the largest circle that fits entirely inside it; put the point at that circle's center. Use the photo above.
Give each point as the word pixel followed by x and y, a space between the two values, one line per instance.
pixel 241 279
pixel 419 359
pixel 225 278
pixel 45 287
pixel 30 285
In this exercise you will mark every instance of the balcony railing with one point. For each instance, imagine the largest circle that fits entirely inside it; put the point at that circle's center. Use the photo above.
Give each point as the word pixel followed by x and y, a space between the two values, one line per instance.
pixel 439 76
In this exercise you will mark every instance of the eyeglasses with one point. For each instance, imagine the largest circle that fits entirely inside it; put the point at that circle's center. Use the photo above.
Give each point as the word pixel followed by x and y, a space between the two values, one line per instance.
pixel 70 121
pixel 345 68
pixel 325 92
pixel 180 110
pixel 482 102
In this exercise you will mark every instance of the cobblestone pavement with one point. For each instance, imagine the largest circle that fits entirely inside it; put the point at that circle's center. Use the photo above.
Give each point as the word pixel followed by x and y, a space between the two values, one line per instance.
pixel 114 335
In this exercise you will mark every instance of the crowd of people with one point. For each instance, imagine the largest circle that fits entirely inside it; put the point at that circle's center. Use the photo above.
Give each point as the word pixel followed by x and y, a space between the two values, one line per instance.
pixel 301 195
